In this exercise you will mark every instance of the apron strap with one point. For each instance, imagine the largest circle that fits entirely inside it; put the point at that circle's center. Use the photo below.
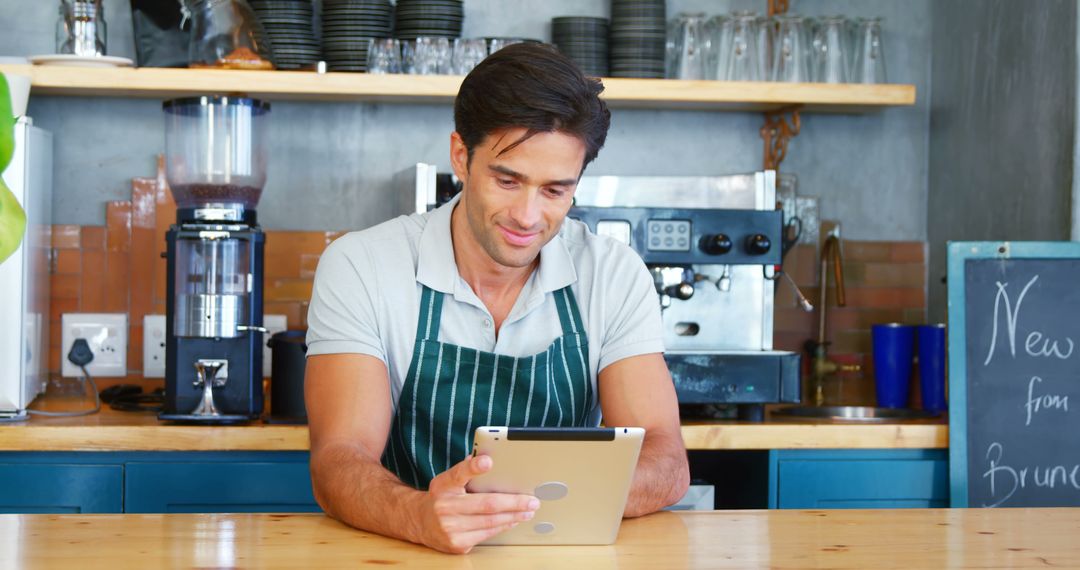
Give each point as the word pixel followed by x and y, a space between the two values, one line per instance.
pixel 427 326
pixel 569 316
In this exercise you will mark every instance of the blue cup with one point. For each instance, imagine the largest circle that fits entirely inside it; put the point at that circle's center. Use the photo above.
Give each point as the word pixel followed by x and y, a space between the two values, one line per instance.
pixel 894 347
pixel 932 366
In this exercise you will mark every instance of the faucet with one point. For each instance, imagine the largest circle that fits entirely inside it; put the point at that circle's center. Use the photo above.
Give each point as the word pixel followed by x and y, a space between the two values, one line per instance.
pixel 821 366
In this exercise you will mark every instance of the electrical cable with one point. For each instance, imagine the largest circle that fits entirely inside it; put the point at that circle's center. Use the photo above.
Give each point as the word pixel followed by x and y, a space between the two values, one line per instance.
pixel 87 381
pixel 79 355
pixel 150 402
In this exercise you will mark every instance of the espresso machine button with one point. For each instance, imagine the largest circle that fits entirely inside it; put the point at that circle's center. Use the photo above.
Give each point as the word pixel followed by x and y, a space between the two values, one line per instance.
pixel 758 244
pixel 717 244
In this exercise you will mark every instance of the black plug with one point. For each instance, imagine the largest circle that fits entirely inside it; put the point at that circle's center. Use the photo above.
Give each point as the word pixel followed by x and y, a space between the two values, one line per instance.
pixel 80 353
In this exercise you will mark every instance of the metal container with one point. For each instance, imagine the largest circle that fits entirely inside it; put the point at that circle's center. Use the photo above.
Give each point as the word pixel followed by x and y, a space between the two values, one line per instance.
pixel 212 286
pixel 209 316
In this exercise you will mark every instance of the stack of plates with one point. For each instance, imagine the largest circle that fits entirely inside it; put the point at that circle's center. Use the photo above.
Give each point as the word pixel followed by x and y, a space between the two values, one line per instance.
pixel 584 40
pixel 434 18
pixel 288 25
pixel 638 31
pixel 348 26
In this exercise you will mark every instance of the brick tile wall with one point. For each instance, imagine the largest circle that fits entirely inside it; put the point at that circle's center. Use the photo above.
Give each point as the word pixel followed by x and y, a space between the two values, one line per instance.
pixel 118 268
pixel 885 282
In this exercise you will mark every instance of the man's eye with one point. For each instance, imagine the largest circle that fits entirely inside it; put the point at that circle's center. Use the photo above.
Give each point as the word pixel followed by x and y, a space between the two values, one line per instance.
pixel 506 182
pixel 556 192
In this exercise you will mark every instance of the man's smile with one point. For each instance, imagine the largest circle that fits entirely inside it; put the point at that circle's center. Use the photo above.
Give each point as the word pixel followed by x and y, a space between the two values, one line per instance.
pixel 517 238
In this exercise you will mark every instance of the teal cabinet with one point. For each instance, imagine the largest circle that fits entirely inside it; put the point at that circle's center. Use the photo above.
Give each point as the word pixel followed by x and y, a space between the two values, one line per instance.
pixel 155 482
pixel 231 482
pixel 218 487
pixel 859 479
pixel 60 488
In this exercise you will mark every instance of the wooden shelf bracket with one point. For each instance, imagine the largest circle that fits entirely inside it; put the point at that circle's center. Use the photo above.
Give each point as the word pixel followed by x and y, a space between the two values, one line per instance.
pixel 778 7
pixel 777 132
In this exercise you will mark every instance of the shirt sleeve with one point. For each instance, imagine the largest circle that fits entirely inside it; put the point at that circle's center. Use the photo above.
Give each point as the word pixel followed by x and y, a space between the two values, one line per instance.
pixel 342 316
pixel 632 311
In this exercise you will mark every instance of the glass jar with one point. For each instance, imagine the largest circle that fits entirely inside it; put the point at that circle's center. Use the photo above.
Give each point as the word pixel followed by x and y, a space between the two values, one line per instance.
pixel 215 151
pixel 80 28
pixel 226 34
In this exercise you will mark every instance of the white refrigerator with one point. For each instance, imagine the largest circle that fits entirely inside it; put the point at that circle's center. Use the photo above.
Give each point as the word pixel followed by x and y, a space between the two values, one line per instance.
pixel 24 277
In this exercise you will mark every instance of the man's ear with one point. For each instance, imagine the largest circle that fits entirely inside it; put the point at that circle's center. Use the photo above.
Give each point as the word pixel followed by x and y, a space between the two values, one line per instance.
pixel 459 156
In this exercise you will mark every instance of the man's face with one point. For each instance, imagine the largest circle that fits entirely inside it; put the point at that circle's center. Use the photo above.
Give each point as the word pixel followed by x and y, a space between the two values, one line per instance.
pixel 515 202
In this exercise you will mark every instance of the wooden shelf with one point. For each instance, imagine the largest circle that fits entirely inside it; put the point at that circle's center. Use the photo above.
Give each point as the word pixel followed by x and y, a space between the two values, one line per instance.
pixel 161 83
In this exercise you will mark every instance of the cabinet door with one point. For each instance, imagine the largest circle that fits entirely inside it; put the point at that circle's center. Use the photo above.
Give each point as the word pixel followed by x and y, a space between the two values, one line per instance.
pixel 54 489
pixel 858 479
pixel 218 487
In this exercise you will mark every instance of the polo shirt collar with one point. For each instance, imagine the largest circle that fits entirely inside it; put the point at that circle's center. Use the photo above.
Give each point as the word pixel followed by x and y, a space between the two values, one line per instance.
pixel 437 268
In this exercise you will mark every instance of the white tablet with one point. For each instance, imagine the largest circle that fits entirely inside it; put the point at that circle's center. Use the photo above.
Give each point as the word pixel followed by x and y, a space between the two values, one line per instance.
pixel 582 477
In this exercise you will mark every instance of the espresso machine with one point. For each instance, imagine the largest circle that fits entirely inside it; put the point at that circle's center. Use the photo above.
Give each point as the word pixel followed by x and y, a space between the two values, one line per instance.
pixel 713 246
pixel 216 169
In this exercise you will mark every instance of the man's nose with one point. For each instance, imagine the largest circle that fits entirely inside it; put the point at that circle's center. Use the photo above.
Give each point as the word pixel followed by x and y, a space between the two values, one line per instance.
pixel 526 210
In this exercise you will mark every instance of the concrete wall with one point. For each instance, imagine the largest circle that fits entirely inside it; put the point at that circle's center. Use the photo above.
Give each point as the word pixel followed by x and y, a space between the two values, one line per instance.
pixel 333 163
pixel 1002 125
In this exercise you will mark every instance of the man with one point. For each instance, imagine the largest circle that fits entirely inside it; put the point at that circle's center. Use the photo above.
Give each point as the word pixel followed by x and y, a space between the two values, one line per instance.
pixel 490 310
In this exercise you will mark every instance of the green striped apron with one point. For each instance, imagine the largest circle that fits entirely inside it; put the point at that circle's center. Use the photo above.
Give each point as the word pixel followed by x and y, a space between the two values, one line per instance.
pixel 451 390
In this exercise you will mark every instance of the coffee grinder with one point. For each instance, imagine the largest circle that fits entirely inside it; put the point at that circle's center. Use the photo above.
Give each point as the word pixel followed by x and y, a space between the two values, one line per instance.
pixel 216 168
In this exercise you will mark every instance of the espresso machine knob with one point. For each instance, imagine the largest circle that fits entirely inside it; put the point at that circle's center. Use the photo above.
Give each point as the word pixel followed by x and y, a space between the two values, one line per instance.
pixel 758 244
pixel 682 291
pixel 715 244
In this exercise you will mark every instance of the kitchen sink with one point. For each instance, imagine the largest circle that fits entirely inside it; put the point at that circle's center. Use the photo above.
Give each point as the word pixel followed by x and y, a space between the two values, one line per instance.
pixel 853 413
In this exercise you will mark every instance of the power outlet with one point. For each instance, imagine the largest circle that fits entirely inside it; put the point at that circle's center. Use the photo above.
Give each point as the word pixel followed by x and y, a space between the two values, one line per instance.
pixel 106 333
pixel 274 324
pixel 153 346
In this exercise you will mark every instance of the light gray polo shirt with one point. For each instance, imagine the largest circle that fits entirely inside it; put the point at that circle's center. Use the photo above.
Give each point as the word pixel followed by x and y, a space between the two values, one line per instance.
pixel 367 289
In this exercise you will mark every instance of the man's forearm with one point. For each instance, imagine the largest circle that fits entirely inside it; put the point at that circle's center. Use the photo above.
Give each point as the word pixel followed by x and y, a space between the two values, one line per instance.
pixel 358 491
pixel 662 475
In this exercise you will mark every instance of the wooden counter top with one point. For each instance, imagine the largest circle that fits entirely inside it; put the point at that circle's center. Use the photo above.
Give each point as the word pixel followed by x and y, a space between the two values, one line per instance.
pixel 120 431
pixel 937 538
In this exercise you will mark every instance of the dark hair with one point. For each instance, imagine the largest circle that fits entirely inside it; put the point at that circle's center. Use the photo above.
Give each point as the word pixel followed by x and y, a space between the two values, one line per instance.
pixel 531 85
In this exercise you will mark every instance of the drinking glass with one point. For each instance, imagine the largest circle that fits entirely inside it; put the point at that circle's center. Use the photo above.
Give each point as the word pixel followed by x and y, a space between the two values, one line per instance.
pixel 431 56
pixel 719 31
pixel 384 56
pixel 745 62
pixel 496 44
pixel 869 65
pixel 831 56
pixel 765 29
pixel 791 51
pixel 467 54
pixel 688 46
pixel 408 56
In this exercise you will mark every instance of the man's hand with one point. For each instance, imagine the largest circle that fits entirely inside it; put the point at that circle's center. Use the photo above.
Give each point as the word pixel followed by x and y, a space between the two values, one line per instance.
pixel 455 520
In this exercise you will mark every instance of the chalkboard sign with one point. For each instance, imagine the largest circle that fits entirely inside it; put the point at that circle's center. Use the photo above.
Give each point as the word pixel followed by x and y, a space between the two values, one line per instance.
pixel 1014 374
